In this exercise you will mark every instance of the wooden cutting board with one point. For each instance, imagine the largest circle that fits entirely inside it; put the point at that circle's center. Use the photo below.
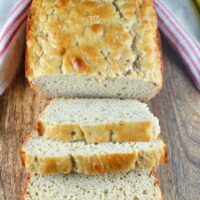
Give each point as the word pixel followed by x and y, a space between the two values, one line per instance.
pixel 177 106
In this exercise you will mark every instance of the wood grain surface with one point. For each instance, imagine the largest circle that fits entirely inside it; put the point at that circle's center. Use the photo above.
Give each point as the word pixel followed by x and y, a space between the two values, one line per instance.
pixel 177 106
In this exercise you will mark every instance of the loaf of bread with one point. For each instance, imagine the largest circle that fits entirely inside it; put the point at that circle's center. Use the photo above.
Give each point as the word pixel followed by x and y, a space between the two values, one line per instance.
pixel 46 156
pixel 91 48
pixel 134 185
pixel 98 120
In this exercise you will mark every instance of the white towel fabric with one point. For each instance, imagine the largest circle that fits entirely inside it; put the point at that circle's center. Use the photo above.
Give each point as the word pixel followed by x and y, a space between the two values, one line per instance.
pixel 176 31
pixel 186 13
pixel 13 15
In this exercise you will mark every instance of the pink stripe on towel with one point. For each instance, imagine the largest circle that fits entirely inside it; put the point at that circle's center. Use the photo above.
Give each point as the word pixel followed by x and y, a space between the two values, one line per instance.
pixel 182 41
pixel 16 7
pixel 13 22
pixel 12 36
pixel 12 42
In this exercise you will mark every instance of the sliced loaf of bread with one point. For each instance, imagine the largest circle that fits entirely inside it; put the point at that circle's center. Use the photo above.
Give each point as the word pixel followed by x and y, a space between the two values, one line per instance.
pixel 46 156
pixel 133 185
pixel 98 120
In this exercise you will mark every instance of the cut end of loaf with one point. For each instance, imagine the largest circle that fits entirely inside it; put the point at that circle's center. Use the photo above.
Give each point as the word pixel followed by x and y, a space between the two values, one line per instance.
pixel 53 86
pixel 134 185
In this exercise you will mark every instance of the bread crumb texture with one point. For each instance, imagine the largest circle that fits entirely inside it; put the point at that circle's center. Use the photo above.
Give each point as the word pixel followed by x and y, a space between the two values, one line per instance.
pixel 99 38
pixel 47 156
pixel 100 120
pixel 134 185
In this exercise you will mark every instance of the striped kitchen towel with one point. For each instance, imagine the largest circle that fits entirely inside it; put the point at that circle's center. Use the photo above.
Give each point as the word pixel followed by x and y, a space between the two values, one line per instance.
pixel 12 36
pixel 186 45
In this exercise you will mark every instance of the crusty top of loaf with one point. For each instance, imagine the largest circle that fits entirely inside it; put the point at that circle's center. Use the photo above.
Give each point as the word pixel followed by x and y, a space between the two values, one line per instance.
pixel 101 38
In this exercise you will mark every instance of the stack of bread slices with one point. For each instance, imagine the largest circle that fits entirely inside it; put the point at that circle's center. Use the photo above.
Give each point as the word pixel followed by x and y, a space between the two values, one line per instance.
pixel 108 148
pixel 100 143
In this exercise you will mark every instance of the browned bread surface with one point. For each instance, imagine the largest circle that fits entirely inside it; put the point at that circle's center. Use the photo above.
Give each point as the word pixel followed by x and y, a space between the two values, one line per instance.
pixel 91 48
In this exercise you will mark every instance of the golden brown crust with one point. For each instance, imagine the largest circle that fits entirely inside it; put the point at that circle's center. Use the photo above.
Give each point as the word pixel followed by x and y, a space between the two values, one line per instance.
pixel 49 165
pixel 157 181
pixel 96 163
pixel 28 69
pixel 107 54
pixel 23 158
pixel 117 132
pixel 22 153
pixel 161 69
pixel 165 156
pixel 26 186
pixel 40 128
pixel 159 44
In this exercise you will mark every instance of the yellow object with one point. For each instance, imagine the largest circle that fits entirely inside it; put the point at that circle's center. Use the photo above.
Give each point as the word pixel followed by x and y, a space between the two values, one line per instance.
pixel 198 3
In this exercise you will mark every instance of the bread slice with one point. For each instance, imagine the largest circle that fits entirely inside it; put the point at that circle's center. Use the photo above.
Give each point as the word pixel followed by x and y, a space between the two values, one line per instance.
pixel 47 156
pixel 108 48
pixel 133 185
pixel 98 120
